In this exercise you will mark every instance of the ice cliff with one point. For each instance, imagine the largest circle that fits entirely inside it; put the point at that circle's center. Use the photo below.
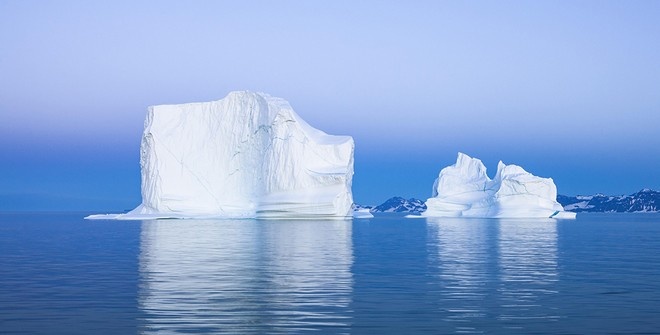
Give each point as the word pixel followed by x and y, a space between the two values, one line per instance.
pixel 465 190
pixel 248 155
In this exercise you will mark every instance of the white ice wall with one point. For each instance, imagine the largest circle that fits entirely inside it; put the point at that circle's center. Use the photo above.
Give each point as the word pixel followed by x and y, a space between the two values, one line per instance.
pixel 247 155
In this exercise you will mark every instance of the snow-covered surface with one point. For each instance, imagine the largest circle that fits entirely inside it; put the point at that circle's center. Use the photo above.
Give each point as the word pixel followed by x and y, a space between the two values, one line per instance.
pixel 582 205
pixel 362 213
pixel 245 156
pixel 102 216
pixel 465 190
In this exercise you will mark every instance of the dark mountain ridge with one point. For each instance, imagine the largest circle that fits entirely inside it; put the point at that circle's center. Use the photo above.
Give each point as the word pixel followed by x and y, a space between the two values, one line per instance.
pixel 646 200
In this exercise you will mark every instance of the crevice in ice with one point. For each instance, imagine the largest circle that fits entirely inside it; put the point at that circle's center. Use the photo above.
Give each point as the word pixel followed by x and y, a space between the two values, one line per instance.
pixel 267 129
pixel 286 138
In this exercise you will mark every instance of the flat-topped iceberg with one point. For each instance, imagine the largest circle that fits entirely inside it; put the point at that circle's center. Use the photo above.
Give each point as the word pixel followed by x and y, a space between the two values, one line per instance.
pixel 465 190
pixel 248 155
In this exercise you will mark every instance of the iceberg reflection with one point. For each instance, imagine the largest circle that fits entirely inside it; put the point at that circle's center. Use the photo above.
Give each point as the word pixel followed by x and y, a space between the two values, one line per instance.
pixel 495 269
pixel 245 276
pixel 528 272
pixel 463 258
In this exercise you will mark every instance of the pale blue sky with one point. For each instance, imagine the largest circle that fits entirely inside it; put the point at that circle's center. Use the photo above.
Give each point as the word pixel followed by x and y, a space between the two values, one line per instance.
pixel 567 89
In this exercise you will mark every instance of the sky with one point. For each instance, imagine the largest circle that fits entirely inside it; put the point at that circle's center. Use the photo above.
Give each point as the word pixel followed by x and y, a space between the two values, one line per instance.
pixel 566 89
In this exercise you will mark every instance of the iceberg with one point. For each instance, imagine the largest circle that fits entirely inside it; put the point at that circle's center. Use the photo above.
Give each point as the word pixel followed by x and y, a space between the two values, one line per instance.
pixel 465 190
pixel 248 155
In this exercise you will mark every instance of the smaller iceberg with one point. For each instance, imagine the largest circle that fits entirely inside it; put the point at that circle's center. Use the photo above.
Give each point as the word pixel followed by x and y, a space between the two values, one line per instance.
pixel 465 190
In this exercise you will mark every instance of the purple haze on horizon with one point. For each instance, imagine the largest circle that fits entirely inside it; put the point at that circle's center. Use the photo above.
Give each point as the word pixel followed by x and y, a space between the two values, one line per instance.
pixel 568 90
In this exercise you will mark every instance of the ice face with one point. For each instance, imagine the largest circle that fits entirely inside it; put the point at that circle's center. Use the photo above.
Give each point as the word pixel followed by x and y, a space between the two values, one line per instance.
pixel 247 155
pixel 464 189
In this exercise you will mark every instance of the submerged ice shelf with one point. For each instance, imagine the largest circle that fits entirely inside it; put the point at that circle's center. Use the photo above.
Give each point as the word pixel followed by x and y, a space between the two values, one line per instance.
pixel 465 190
pixel 248 155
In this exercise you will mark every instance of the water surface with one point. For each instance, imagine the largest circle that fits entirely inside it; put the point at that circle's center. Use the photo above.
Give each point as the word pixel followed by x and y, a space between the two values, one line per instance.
pixel 598 274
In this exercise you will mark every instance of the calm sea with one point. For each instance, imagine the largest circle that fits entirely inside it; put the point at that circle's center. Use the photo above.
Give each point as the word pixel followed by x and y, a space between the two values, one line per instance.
pixel 60 274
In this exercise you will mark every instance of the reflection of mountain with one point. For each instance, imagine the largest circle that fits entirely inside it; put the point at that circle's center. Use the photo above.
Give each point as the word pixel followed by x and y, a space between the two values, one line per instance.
pixel 528 272
pixel 245 276
pixel 463 258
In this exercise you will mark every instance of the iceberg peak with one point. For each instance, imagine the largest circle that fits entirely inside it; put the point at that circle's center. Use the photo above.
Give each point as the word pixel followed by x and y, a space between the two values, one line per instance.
pixel 465 176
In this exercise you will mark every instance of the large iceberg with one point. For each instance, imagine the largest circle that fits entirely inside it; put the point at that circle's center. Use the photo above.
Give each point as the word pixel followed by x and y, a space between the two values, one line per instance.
pixel 465 190
pixel 248 155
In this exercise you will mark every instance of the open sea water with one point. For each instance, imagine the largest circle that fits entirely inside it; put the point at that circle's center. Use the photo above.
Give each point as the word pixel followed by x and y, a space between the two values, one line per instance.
pixel 599 274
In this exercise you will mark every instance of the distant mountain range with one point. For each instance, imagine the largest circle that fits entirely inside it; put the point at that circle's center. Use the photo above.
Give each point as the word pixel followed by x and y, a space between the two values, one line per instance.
pixel 645 200
pixel 400 205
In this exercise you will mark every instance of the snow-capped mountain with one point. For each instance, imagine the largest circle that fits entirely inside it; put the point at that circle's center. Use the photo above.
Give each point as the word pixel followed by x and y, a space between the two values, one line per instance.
pixel 399 204
pixel 645 200
pixel 357 207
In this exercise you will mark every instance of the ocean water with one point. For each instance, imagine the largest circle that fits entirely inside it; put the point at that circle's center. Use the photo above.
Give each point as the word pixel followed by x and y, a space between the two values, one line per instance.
pixel 599 274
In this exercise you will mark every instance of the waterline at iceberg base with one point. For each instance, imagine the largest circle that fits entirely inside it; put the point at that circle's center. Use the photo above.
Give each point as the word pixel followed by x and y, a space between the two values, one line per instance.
pixel 248 155
pixel 465 190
